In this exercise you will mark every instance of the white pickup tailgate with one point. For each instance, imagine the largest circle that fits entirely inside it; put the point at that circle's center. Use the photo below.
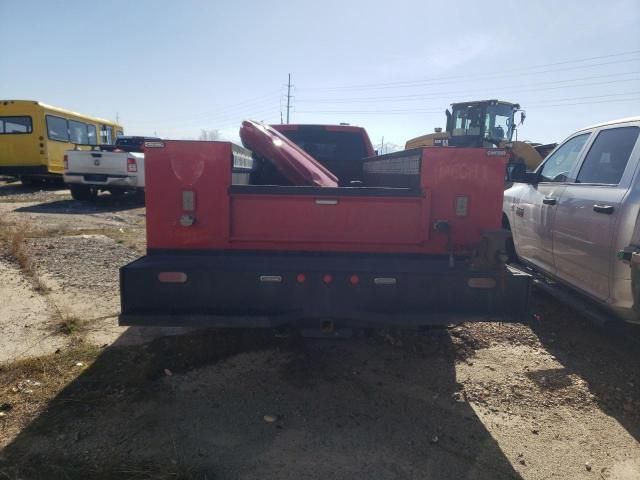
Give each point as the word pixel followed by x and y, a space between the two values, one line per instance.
pixel 104 163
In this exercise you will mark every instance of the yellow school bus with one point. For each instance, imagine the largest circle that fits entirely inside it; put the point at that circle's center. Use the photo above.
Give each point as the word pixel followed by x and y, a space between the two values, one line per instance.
pixel 34 137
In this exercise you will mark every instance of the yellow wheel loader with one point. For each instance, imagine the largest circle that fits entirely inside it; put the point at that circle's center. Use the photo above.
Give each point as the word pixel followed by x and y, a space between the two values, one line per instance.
pixel 482 123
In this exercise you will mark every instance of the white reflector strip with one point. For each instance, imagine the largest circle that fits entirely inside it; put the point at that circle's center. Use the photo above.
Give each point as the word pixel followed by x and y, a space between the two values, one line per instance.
pixel 462 206
pixel 188 201
pixel 482 282
pixel 384 281
pixel 326 202
pixel 172 277
pixel 270 278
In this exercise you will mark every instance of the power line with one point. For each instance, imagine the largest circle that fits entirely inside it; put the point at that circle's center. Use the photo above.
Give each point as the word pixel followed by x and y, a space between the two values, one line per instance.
pixel 425 110
pixel 449 79
pixel 417 96
pixel 476 78
pixel 449 95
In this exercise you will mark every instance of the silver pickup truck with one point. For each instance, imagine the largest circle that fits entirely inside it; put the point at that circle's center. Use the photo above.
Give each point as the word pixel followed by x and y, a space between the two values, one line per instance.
pixel 575 219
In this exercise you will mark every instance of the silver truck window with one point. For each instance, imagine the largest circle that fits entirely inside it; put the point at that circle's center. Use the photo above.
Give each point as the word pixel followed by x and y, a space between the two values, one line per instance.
pixel 556 168
pixel 608 156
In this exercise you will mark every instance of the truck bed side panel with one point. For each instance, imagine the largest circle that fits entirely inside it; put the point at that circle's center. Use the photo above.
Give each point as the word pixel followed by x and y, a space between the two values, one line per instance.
pixel 332 220
pixel 462 186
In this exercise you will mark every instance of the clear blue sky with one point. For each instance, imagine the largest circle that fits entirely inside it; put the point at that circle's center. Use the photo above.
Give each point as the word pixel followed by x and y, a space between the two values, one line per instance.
pixel 175 67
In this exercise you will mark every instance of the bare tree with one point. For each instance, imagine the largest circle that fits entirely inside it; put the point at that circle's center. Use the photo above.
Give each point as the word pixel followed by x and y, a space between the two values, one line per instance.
pixel 209 134
pixel 388 147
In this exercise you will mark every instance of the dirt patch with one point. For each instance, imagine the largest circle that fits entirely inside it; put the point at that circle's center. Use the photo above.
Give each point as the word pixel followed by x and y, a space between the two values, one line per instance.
pixel 24 317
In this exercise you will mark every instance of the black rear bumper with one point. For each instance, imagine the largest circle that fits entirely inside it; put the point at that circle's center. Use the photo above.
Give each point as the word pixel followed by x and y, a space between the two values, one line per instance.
pixel 262 290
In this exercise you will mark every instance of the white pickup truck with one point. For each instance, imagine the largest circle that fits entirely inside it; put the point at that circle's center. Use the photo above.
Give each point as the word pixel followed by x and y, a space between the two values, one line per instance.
pixel 576 219
pixel 115 168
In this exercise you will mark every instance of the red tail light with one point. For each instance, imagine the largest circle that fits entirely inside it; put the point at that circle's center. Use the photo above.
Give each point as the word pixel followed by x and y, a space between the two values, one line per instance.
pixel 172 277
pixel 66 162
pixel 132 166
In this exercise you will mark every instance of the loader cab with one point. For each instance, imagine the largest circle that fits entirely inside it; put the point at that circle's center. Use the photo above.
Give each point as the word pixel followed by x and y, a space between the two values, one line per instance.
pixel 486 123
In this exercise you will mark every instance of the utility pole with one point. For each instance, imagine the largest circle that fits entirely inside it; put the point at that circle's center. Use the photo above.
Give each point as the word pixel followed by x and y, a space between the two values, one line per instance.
pixel 117 118
pixel 382 146
pixel 288 97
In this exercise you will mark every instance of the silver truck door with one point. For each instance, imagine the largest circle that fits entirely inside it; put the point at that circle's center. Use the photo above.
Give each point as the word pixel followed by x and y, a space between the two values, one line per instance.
pixel 588 211
pixel 536 209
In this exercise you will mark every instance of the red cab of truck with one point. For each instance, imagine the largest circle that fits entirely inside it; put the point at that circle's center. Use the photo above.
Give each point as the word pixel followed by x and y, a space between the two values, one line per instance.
pixel 408 239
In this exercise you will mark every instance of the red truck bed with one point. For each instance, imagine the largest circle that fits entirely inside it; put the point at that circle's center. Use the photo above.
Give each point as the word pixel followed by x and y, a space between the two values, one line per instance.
pixel 417 244
pixel 363 219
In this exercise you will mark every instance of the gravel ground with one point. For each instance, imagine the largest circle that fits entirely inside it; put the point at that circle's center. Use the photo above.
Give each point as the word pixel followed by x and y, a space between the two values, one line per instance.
pixel 558 398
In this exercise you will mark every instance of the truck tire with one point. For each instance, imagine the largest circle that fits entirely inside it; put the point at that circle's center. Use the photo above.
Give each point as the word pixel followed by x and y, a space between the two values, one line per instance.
pixel 509 245
pixel 140 196
pixel 26 181
pixel 83 192
pixel 117 193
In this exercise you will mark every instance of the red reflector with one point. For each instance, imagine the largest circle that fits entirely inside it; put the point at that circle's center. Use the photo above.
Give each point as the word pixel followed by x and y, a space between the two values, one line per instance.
pixel 327 278
pixel 301 278
pixel 131 165
pixel 172 277
pixel 482 282
pixel 354 279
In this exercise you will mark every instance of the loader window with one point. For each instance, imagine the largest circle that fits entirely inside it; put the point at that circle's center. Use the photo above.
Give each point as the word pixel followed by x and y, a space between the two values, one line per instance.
pixel 498 125
pixel 467 121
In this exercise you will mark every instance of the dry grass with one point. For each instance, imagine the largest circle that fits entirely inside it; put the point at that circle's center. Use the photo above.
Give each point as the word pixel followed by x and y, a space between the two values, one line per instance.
pixel 13 239
pixel 65 322
pixel 27 386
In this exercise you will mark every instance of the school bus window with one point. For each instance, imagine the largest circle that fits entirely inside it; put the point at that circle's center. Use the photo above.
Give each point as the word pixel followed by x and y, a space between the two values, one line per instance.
pixel 57 128
pixel 78 132
pixel 15 125
pixel 119 133
pixel 91 134
pixel 105 135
